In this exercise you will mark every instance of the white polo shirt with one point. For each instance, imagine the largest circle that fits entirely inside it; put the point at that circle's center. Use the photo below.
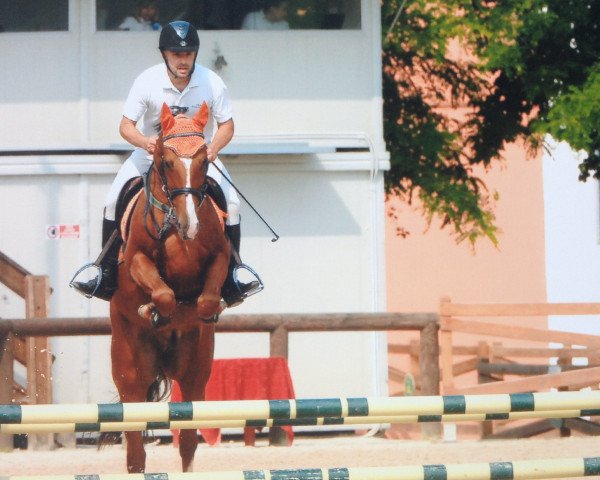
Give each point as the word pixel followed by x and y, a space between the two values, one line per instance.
pixel 153 87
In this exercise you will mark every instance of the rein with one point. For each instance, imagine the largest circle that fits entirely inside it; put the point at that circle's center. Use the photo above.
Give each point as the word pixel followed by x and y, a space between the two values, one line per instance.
pixel 170 218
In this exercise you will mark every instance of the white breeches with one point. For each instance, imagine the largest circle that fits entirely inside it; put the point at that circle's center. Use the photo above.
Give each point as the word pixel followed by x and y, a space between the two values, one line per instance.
pixel 138 164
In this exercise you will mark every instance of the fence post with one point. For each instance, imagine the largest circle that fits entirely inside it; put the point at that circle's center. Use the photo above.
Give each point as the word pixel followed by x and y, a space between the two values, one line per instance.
pixel 39 359
pixel 278 342
pixel 6 382
pixel 278 347
pixel 430 373
pixel 446 347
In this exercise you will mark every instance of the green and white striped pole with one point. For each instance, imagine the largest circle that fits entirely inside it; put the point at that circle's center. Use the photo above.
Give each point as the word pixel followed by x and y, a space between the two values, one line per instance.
pixel 300 408
pixel 517 470
pixel 31 428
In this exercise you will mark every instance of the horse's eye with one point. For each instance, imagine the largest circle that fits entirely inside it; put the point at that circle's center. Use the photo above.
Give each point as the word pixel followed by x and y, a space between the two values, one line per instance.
pixel 168 164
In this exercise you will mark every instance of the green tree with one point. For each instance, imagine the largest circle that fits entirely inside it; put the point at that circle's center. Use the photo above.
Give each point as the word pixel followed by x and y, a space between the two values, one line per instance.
pixel 528 68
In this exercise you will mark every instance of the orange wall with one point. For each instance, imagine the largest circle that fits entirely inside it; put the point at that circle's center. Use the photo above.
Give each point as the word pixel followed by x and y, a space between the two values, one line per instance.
pixel 428 264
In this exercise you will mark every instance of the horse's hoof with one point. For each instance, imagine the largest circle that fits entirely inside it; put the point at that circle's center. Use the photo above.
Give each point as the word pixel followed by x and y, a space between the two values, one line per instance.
pixel 150 312
pixel 164 300
pixel 145 311
pixel 222 306
pixel 207 306
pixel 157 320
pixel 213 319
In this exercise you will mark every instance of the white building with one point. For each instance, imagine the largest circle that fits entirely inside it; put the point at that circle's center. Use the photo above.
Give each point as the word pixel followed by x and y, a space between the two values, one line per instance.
pixel 572 233
pixel 308 153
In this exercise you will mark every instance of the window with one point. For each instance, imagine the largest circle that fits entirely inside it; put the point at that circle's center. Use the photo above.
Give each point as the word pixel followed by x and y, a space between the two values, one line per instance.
pixel 229 14
pixel 34 16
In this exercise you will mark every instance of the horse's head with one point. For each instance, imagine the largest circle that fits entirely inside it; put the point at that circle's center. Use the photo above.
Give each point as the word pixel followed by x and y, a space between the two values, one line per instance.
pixel 180 159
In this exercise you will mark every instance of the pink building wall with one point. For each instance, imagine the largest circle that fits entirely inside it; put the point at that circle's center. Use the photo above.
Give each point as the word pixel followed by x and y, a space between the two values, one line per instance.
pixel 428 264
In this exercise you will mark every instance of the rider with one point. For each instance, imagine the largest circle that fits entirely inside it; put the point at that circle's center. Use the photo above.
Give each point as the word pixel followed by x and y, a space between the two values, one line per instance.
pixel 184 86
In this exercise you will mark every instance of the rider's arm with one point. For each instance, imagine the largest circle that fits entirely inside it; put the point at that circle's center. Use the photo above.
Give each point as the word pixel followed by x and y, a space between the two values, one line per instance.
pixel 222 137
pixel 129 131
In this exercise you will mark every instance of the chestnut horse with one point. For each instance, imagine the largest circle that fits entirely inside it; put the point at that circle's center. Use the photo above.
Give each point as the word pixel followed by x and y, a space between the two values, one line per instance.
pixel 173 266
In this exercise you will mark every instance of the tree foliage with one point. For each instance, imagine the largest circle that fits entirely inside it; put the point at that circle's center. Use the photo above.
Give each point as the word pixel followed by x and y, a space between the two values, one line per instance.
pixel 525 68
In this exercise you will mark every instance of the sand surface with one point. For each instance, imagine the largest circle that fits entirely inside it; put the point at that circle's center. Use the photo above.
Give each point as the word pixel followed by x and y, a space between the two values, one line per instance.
pixel 347 450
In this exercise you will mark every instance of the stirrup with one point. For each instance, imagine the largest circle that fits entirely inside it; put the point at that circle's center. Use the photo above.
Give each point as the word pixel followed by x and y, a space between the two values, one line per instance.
pixel 237 290
pixel 74 284
pixel 257 284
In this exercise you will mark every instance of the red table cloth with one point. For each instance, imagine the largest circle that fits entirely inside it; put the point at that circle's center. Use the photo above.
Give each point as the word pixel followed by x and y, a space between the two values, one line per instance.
pixel 244 379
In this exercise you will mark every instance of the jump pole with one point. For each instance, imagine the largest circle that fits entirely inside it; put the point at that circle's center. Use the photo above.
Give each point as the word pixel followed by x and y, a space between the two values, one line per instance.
pixel 300 408
pixel 32 428
pixel 518 470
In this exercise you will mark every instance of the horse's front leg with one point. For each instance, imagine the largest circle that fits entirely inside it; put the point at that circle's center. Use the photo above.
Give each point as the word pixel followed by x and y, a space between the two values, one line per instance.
pixel 209 300
pixel 145 274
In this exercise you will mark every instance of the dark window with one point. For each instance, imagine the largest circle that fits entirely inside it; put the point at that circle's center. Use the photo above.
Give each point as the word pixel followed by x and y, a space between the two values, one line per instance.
pixel 34 16
pixel 230 14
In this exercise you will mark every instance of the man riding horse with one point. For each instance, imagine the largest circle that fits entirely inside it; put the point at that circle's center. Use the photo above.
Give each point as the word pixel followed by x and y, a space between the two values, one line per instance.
pixel 184 86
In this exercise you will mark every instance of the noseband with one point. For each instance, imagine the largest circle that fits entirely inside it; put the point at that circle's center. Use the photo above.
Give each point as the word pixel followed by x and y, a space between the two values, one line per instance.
pixel 170 218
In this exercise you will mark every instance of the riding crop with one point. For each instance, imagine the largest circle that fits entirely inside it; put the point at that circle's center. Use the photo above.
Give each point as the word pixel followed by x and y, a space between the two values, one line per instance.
pixel 276 237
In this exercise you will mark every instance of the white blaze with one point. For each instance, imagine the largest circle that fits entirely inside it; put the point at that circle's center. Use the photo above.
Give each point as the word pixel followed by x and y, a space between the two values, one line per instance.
pixel 193 224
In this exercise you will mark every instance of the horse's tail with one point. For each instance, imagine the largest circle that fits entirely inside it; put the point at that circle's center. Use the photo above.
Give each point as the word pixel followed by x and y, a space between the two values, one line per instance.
pixel 159 389
pixel 108 438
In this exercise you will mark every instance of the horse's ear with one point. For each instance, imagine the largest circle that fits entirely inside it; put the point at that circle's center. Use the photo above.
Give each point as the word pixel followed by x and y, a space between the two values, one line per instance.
pixel 201 117
pixel 166 118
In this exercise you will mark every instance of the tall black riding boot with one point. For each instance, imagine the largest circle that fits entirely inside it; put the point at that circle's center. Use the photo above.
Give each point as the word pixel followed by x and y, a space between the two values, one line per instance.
pixel 106 287
pixel 234 292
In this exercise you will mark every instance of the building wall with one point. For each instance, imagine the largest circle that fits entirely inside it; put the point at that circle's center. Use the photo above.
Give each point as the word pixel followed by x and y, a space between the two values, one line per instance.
pixel 301 100
pixel 572 237
pixel 298 81
pixel 429 264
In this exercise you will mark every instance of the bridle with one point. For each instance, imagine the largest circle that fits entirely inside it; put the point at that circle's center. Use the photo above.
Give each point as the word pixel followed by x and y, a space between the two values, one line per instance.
pixel 170 218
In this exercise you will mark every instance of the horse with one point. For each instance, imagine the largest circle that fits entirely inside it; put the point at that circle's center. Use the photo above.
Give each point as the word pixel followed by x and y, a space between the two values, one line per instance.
pixel 172 266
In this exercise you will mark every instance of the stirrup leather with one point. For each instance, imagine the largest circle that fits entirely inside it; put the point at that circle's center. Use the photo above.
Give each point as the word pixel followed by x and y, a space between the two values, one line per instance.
pixel 76 285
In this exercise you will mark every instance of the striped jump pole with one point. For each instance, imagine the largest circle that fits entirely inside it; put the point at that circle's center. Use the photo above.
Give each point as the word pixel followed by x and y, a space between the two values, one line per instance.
pixel 31 428
pixel 518 470
pixel 300 408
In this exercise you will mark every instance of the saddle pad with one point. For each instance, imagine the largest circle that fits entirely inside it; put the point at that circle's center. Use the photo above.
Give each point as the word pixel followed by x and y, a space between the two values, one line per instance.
pixel 220 213
pixel 126 221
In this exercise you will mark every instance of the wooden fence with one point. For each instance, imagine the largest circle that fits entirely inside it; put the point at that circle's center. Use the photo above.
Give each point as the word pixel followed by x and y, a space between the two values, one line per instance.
pixel 36 328
pixel 32 352
pixel 433 361
pixel 278 326
pixel 450 323
pixel 508 368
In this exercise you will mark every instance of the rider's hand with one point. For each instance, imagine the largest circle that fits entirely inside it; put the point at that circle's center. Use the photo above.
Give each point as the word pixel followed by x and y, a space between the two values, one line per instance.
pixel 150 144
pixel 211 154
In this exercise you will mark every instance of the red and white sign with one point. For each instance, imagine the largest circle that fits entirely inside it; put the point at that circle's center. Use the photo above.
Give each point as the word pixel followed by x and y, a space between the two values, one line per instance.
pixel 56 232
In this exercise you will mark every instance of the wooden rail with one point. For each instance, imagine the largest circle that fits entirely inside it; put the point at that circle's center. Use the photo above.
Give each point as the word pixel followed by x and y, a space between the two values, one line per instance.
pixel 13 275
pixel 277 325
pixel 34 353
pixel 449 324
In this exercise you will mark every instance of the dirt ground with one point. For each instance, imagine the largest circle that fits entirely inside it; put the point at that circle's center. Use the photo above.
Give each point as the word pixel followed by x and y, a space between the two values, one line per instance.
pixel 341 450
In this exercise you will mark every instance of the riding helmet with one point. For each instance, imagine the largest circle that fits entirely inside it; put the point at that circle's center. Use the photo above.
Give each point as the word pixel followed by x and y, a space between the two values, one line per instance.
pixel 179 36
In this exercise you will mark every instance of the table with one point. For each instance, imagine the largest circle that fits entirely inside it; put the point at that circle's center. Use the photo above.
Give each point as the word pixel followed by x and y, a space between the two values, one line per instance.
pixel 244 379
